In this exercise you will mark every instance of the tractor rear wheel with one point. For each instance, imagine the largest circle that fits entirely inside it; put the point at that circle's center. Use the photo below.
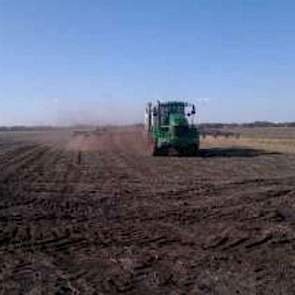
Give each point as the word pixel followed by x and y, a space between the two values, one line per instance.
pixel 160 151
pixel 190 151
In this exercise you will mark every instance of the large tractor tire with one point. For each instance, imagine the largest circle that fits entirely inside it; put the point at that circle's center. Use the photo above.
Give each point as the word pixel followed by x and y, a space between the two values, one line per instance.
pixel 160 151
pixel 189 151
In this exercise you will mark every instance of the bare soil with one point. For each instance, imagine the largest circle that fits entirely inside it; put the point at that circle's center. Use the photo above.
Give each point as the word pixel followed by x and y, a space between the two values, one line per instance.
pixel 98 215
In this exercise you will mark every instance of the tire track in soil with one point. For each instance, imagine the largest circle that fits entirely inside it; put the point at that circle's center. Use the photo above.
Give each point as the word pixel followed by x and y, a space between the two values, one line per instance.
pixel 232 244
pixel 117 221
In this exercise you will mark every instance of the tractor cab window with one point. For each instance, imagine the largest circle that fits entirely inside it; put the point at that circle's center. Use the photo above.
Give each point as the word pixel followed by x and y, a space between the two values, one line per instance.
pixel 167 110
pixel 177 109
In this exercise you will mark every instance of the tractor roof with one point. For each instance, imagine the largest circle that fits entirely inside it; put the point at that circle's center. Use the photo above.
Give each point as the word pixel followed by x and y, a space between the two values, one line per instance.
pixel 174 103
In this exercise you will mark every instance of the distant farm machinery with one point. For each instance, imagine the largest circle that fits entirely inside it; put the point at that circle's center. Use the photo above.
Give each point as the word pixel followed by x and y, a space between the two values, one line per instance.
pixel 89 132
pixel 218 133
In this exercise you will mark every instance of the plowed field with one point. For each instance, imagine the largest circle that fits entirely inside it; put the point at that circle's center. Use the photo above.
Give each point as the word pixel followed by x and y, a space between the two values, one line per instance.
pixel 98 215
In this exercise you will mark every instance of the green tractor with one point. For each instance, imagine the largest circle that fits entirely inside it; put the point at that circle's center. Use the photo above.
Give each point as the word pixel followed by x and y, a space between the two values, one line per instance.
pixel 170 128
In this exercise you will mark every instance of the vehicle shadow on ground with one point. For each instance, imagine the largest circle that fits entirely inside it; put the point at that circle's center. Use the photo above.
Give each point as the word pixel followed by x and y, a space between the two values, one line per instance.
pixel 234 152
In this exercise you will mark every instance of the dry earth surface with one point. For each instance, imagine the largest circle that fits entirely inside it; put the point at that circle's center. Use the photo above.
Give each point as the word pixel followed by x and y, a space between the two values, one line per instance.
pixel 97 214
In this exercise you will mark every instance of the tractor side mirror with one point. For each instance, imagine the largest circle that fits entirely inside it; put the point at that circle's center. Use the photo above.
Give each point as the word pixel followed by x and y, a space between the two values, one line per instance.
pixel 193 110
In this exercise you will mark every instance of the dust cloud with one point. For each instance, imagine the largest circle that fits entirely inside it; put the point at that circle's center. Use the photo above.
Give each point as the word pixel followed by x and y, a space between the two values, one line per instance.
pixel 72 114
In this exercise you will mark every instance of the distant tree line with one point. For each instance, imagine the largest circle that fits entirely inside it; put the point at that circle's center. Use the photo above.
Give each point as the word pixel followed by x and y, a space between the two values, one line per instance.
pixel 248 125
pixel 204 126
pixel 26 128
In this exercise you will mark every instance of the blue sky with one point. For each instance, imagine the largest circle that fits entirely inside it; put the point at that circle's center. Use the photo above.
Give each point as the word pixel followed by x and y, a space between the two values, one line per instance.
pixel 100 61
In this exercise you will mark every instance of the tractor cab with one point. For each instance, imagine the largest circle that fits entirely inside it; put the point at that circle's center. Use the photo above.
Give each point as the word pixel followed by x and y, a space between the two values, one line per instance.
pixel 170 111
